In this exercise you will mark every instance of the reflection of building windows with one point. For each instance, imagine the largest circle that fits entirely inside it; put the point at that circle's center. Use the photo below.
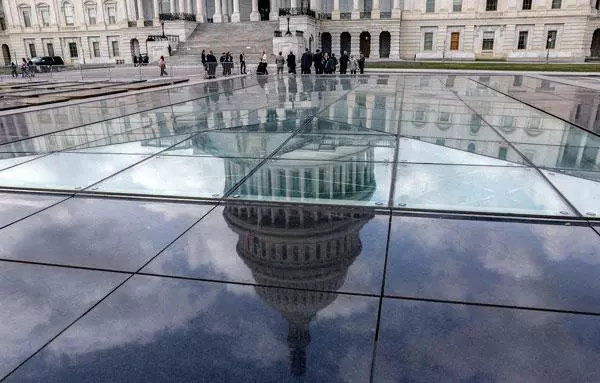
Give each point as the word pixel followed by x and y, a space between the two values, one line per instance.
pixel 111 11
pixel 526 5
pixel 50 49
pixel 424 81
pixel 450 81
pixel 471 147
pixel 440 141
pixel 556 4
pixel 73 50
pixel 45 16
pixel 428 41
pixel 488 41
pixel 32 50
pixel 551 40
pixel 419 116
pixel 69 14
pixel 507 123
pixel 26 12
pixel 518 80
pixel 456 5
pixel 533 126
pixel 96 48
pixel 115 48
pixel 91 12
pixel 502 153
pixel 475 124
pixel 529 154
pixel 454 41
pixel 491 5
pixel 444 117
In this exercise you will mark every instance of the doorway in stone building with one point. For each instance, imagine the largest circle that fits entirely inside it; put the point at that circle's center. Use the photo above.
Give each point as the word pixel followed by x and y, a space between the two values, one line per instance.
pixel 365 44
pixel 6 54
pixel 326 42
pixel 264 8
pixel 595 49
pixel 346 43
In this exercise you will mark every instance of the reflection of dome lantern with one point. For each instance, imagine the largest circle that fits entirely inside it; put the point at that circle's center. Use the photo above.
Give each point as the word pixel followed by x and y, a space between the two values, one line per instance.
pixel 304 251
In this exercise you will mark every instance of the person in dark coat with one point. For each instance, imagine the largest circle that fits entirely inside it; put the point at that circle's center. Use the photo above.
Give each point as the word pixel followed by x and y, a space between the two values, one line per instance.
pixel 242 63
pixel 291 63
pixel 203 58
pixel 334 63
pixel 211 64
pixel 361 63
pixel 318 61
pixel 306 62
pixel 344 62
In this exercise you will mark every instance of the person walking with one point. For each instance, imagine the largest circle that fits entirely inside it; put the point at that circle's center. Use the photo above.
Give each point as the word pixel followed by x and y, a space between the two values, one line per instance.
pixel 353 64
pixel 242 63
pixel 162 64
pixel 306 62
pixel 262 66
pixel 327 63
pixel 203 59
pixel 334 63
pixel 291 63
pixel 279 61
pixel 344 62
pixel 222 61
pixel 361 63
pixel 13 69
pixel 24 68
pixel 229 62
pixel 318 61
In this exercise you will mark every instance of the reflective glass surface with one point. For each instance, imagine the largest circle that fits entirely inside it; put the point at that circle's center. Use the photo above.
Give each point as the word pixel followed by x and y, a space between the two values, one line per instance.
pixel 518 190
pixel 247 334
pixel 17 206
pixel 39 301
pixel 510 263
pixel 106 234
pixel 342 249
pixel 432 342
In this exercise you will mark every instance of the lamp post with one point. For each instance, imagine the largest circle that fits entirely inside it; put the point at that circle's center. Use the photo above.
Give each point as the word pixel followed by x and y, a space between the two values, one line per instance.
pixel 288 33
pixel 162 24
pixel 548 49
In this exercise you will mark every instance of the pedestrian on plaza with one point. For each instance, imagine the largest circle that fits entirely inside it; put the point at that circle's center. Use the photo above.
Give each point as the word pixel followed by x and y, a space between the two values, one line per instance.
pixel 30 68
pixel 361 63
pixel 203 59
pixel 279 62
pixel 334 64
pixel 344 62
pixel 318 61
pixel 222 61
pixel 242 63
pixel 306 62
pixel 229 62
pixel 353 64
pixel 211 65
pixel 23 67
pixel 262 65
pixel 291 63
pixel 13 69
pixel 162 64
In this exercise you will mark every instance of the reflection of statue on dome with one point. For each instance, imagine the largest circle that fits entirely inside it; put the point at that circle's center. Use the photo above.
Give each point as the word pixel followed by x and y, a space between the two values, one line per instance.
pixel 305 253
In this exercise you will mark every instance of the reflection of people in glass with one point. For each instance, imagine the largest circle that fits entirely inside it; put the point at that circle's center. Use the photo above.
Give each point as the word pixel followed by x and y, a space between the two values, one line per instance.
pixel 306 252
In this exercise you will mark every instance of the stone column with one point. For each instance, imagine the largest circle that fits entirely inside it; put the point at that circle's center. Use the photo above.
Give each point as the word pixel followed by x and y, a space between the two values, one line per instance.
pixel 274 14
pixel 189 6
pixel 180 6
pixel 335 14
pixel 8 14
pixel 140 16
pixel 375 12
pixel 218 16
pixel 225 8
pixel 254 15
pixel 235 16
pixel 396 11
pixel 200 11
pixel 355 9
pixel 294 4
pixel 156 13
pixel 171 6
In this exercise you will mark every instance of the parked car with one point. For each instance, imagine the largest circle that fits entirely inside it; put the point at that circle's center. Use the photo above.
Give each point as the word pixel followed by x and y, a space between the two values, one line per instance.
pixel 45 63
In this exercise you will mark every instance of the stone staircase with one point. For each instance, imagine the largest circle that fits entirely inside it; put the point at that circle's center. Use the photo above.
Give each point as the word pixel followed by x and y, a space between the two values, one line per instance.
pixel 250 37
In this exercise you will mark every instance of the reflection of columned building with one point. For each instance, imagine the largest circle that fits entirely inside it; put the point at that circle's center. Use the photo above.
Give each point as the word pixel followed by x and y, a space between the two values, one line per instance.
pixel 306 252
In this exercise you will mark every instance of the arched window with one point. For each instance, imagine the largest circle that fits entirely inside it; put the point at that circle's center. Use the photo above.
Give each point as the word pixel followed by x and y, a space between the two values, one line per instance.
pixel 475 124
pixel 365 44
pixel 326 42
pixel 385 40
pixel 345 43
pixel 69 13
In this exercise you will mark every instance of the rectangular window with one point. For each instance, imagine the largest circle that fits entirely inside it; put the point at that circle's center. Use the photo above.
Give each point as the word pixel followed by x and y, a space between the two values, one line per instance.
pixel 419 115
pixel 73 50
pixel 27 18
pixel 92 16
pixel 502 152
pixel 526 5
pixel 112 15
pixel 551 40
pixel 456 5
pixel 96 48
pixel 69 15
pixel 32 50
pixel 444 117
pixel 440 141
pixel 556 4
pixel 491 5
pixel 518 80
pixel 428 41
pixel 454 39
pixel 429 6
pixel 450 81
pixel 522 43
pixel 115 48
pixel 45 16
pixel 507 122
pixel 50 49
pixel 488 41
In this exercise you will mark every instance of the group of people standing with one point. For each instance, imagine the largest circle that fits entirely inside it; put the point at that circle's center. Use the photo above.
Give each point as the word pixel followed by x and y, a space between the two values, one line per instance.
pixel 27 68
pixel 326 63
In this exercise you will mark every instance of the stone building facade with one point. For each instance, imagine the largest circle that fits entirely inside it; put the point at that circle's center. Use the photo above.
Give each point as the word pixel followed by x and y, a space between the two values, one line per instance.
pixel 112 31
